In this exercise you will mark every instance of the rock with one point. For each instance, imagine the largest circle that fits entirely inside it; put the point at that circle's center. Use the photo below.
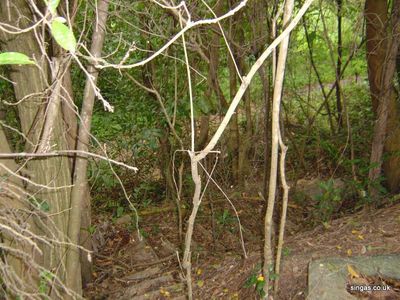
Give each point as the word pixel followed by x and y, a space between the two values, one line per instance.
pixel 327 277
pixel 323 198
pixel 124 220
pixel 311 188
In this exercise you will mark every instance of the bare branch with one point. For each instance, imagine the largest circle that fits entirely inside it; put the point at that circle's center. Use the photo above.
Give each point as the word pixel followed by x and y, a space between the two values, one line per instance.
pixel 80 153
pixel 249 77
pixel 101 64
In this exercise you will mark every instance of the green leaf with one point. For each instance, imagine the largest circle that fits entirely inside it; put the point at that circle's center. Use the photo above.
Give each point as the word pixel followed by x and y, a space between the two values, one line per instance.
pixel 120 211
pixel 312 36
pixel 143 233
pixel 52 5
pixel 91 229
pixel 45 278
pixel 202 105
pixel 273 276
pixel 15 58
pixel 44 206
pixel 251 281
pixel 63 35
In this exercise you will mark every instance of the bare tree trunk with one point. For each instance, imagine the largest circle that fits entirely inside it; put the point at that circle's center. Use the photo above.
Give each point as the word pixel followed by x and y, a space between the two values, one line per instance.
pixel 339 64
pixel 246 139
pixel 186 261
pixel 78 189
pixel 69 113
pixel 205 119
pixel 13 201
pixel 234 134
pixel 233 139
pixel 321 84
pixel 204 129
pixel 282 224
pixel 278 86
pixel 53 172
pixel 165 162
pixel 260 29
pixel 398 67
pixel 267 125
pixel 382 48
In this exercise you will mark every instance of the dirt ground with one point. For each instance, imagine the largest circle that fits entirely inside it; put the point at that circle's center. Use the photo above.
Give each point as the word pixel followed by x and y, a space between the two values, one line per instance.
pixel 220 270
pixel 358 235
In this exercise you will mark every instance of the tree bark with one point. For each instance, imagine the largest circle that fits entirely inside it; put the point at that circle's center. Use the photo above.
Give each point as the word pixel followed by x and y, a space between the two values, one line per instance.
pixel 383 39
pixel 245 144
pixel 275 133
pixel 234 134
pixel 70 121
pixel 13 202
pixel 77 201
pixel 32 82
pixel 339 64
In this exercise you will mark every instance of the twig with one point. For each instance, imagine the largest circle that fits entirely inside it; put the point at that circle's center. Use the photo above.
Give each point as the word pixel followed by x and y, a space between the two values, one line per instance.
pixel 188 26
pixel 80 153
pixel 247 79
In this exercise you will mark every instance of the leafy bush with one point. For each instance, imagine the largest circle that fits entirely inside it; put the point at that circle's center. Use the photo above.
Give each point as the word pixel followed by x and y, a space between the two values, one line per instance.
pixel 329 200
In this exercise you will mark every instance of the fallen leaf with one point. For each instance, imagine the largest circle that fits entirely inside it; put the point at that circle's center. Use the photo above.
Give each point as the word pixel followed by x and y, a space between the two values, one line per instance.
pixel 326 225
pixel 352 272
pixel 200 283
pixel 165 293
pixel 363 249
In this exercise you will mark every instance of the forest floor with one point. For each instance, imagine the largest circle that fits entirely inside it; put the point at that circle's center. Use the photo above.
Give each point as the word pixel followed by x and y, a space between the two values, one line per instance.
pixel 219 269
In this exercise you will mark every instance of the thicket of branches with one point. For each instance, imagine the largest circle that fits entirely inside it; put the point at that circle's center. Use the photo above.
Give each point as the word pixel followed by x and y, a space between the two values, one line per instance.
pixel 98 93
